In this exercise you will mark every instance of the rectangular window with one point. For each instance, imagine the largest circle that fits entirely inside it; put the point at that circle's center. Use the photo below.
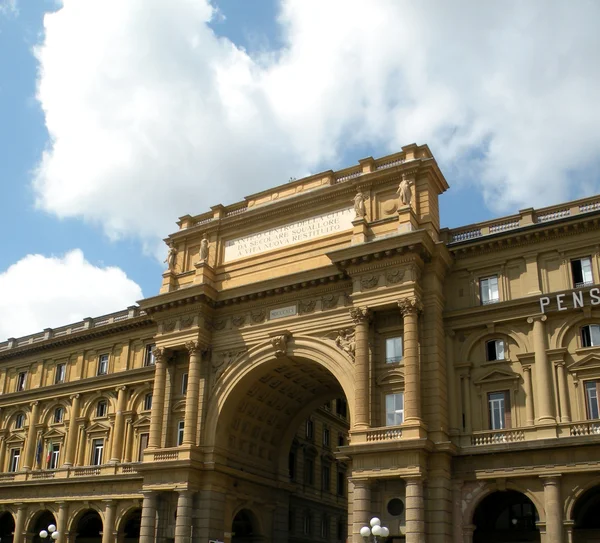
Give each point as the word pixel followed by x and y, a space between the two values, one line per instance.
pixel 341 483
pixel 324 526
pixel 341 439
pixel 180 427
pixel 148 402
pixel 53 455
pixel 325 478
pixel 143 446
pixel 184 383
pixel 61 373
pixel 394 409
pixel 21 381
pixel 590 335
pixel 15 455
pixel 581 270
pixel 499 410
pixel 489 290
pixel 97 451
pixel 307 524
pixel 309 471
pixel 495 350
pixel 341 408
pixel 310 429
pixel 326 435
pixel 19 421
pixel 292 466
pixel 591 396
pixel 393 350
pixel 102 364
pixel 101 408
pixel 149 355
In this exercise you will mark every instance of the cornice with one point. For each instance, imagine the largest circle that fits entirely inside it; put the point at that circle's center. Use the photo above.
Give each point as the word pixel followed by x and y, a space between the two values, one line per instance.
pixel 77 337
pixel 526 236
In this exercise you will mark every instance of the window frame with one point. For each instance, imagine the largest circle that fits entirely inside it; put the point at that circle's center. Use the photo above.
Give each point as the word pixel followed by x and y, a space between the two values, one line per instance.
pixel 589 338
pixel 596 389
pixel 180 430
pixel 396 412
pixel 144 437
pixel 53 461
pixel 184 383
pixel 391 354
pixel 309 429
pixel 97 451
pixel 60 373
pixel 589 270
pixel 19 421
pixel 102 364
pixel 490 300
pixel 309 471
pixel 15 454
pixel 496 342
pixel 58 409
pixel 149 359
pixel 21 381
pixel 104 410
pixel 147 406
pixel 505 411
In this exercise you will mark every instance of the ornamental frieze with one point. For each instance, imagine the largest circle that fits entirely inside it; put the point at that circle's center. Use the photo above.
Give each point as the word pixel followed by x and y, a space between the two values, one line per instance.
pixel 306 306
pixel 369 281
pixel 394 276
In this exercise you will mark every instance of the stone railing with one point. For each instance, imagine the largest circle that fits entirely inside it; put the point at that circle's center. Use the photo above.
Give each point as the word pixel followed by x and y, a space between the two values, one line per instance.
pixel 86 324
pixel 348 176
pixel 493 437
pixel 584 428
pixel 384 434
pixel 171 454
pixel 525 218
pixel 71 472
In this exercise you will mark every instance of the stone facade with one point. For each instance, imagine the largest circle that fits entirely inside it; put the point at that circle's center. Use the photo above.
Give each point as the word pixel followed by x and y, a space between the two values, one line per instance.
pixel 467 361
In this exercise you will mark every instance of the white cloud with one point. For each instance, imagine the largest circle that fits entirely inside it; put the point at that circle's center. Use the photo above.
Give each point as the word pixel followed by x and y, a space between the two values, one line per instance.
pixel 152 116
pixel 40 292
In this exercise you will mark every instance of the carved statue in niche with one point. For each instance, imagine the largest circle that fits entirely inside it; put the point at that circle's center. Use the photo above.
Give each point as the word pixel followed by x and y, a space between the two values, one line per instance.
pixel 171 257
pixel 345 341
pixel 204 250
pixel 359 205
pixel 404 192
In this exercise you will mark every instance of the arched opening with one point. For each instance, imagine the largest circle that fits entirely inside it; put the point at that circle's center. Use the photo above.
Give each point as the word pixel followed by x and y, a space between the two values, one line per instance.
pixel 507 516
pixel 585 516
pixel 7 528
pixel 40 522
pixel 283 421
pixel 89 527
pixel 244 528
pixel 130 526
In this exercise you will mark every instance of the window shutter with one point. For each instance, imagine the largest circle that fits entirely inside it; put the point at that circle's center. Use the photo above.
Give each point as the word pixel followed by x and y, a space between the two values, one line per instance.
pixel 507 417
pixel 499 349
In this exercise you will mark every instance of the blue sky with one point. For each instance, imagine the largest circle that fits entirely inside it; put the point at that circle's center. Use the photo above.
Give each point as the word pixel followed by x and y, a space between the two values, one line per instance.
pixel 218 101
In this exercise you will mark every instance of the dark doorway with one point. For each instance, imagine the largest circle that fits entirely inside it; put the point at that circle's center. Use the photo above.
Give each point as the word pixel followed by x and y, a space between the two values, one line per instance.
pixel 131 526
pixel 89 528
pixel 7 528
pixel 586 517
pixel 505 517
pixel 244 528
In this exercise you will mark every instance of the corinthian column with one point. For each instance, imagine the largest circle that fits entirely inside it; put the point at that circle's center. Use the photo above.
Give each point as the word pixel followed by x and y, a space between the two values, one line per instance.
pixel 158 398
pixel 30 449
pixel 360 316
pixel 72 431
pixel 117 444
pixel 544 387
pixel 190 427
pixel 410 309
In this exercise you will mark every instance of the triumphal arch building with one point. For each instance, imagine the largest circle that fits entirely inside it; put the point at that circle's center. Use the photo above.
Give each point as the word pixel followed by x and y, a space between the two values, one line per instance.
pixel 318 354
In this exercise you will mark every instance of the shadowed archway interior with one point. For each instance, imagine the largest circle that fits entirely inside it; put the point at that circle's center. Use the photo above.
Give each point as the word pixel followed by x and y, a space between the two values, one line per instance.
pixel 89 527
pixel 41 522
pixel 586 517
pixel 7 527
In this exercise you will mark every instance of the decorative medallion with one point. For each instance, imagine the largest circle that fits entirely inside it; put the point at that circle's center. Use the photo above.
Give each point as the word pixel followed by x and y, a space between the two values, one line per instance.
pixel 329 301
pixel 218 324
pixel 238 320
pixel 306 306
pixel 168 326
pixel 394 276
pixel 187 321
pixel 258 315
pixel 369 281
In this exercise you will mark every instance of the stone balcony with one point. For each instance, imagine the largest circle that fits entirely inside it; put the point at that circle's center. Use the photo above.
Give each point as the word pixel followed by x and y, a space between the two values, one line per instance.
pixel 105 470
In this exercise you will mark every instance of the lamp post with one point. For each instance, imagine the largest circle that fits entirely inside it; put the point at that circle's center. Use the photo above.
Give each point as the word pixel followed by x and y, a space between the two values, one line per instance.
pixel 376 530
pixel 51 531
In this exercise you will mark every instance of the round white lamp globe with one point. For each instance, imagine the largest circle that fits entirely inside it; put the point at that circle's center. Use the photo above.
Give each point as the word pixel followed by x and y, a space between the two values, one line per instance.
pixel 365 531
pixel 52 528
pixel 43 534
pixel 54 535
pixel 375 521
pixel 376 530
pixel 384 532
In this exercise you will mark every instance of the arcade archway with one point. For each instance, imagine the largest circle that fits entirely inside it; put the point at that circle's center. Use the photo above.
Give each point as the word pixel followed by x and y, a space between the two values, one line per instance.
pixel 245 528
pixel 88 528
pixel 129 528
pixel 40 522
pixel 505 517
pixel 7 527
pixel 586 518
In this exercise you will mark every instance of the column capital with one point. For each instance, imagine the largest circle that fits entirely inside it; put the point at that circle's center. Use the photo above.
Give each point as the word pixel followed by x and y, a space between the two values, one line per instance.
pixel 75 396
pixel 534 318
pixel 410 304
pixel 35 403
pixel 194 347
pixel 160 354
pixel 550 480
pixel 121 388
pixel 360 314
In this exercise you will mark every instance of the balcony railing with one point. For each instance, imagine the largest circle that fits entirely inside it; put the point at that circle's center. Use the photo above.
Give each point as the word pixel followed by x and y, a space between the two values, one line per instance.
pixel 68 473
pixel 493 437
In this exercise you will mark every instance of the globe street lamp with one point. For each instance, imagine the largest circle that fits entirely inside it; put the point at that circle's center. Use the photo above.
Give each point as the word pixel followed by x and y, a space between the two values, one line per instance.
pixel 51 531
pixel 376 530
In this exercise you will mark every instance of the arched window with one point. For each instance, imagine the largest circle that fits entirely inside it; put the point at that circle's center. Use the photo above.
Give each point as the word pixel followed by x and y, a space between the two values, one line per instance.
pixel 19 421
pixel 59 414
pixel 101 408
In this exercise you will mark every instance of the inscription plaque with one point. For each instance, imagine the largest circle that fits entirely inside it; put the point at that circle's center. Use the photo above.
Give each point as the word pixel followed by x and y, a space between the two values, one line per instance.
pixel 289 234
pixel 280 312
